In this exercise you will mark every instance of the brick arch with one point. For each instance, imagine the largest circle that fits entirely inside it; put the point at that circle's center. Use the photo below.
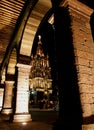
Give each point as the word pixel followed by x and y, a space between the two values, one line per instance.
pixel 3 75
pixel 10 72
pixel 34 20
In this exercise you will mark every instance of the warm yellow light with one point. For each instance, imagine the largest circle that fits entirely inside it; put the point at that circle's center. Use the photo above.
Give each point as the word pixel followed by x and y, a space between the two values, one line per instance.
pixel 45 92
pixel 24 123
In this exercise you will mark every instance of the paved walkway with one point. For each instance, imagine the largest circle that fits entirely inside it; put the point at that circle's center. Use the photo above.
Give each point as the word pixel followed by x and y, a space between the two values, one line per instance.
pixel 5 124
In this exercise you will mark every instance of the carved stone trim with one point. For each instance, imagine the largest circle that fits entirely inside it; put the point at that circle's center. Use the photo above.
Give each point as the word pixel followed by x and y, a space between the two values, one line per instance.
pixel 77 6
pixel 23 67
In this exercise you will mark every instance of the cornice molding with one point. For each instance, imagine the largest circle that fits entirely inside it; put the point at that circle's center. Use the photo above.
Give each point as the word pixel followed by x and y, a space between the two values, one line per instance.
pixel 23 66
pixel 75 5
pixel 9 82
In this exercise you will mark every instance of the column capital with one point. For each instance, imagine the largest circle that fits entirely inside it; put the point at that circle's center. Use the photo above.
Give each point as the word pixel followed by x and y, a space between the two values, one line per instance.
pixel 23 67
pixel 9 82
pixel 75 5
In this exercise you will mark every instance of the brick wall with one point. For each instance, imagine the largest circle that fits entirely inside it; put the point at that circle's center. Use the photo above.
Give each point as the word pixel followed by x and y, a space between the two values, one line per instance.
pixel 84 56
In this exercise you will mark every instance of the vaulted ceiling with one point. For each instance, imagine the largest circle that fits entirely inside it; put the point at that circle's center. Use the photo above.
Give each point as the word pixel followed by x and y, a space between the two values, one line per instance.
pixel 9 13
pixel 19 22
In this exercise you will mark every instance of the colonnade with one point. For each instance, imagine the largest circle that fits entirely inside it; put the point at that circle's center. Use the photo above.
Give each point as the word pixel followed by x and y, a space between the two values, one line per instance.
pixel 20 108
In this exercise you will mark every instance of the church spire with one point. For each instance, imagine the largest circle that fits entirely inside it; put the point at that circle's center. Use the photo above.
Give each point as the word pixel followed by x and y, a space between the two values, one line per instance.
pixel 39 50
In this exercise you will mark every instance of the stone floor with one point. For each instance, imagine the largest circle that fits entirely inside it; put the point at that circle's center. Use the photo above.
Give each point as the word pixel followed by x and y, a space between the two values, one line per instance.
pixel 33 125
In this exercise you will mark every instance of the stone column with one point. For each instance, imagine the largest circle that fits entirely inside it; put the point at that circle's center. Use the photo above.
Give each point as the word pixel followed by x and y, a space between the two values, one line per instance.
pixel 8 96
pixel 22 95
pixel 83 49
pixel 74 62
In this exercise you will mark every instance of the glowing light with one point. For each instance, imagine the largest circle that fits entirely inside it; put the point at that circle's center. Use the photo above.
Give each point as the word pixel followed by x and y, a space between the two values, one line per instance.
pixel 24 123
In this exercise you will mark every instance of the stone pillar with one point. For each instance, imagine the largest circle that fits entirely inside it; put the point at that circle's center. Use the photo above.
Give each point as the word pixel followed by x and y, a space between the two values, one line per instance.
pixel 84 56
pixel 75 62
pixel 22 96
pixel 83 48
pixel 8 96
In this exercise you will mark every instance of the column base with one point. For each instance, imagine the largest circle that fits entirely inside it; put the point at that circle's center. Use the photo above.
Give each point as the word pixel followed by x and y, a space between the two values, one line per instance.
pixel 22 118
pixel 6 111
